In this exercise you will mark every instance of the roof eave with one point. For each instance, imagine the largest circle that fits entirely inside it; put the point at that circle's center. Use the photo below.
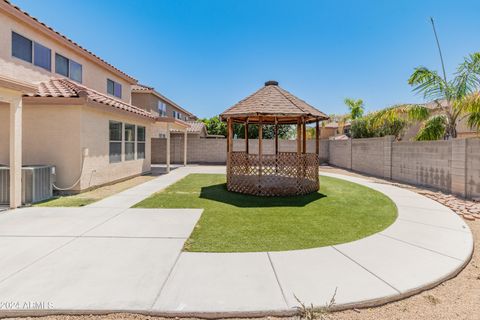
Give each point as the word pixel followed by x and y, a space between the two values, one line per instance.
pixel 172 120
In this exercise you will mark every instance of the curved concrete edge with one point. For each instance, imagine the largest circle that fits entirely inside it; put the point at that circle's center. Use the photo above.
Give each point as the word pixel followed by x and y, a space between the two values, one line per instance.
pixel 279 312
pixel 236 314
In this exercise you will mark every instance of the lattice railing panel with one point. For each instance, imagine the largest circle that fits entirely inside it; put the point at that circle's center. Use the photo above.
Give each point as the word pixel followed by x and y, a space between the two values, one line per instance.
pixel 284 174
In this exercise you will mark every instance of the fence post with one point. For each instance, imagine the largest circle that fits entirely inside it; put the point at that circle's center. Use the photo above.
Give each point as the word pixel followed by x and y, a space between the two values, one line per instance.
pixel 458 167
pixel 387 156
pixel 349 154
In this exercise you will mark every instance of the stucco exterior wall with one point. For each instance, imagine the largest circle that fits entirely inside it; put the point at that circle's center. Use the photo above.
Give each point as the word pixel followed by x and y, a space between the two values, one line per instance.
pixel 97 169
pixel 94 76
pixel 58 135
pixel 4 133
pixel 51 136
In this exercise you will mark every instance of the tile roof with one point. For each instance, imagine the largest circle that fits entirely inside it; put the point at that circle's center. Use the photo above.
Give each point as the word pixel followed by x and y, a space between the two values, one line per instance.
pixel 336 124
pixel 64 88
pixel 141 88
pixel 273 100
pixel 69 40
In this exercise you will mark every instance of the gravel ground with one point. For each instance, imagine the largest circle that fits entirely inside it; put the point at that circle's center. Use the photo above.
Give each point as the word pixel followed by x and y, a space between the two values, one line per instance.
pixel 458 298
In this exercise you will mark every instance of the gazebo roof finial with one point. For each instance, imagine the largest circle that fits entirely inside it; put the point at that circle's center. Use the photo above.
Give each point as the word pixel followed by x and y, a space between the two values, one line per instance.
pixel 271 83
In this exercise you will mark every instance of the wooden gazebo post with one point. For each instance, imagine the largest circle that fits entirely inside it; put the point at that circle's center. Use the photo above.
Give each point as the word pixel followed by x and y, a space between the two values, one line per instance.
pixel 317 138
pixel 304 136
pixel 260 138
pixel 276 144
pixel 246 137
pixel 229 143
pixel 299 135
pixel 276 136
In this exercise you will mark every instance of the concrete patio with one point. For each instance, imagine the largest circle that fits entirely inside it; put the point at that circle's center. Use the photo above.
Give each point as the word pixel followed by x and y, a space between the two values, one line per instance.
pixel 107 257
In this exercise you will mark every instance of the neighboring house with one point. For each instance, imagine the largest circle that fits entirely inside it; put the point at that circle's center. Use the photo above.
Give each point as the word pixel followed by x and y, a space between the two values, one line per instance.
pixel 151 100
pixel 199 130
pixel 62 105
pixel 335 130
pixel 463 130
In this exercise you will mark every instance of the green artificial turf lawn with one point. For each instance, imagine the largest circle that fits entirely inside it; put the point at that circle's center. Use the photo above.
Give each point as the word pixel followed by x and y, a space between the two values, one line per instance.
pixel 231 222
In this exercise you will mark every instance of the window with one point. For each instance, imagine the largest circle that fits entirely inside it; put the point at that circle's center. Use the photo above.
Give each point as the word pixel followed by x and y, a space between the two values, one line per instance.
pixel 162 109
pixel 22 47
pixel 177 115
pixel 129 142
pixel 61 65
pixel 114 88
pixel 115 141
pixel 30 51
pixel 75 71
pixel 68 68
pixel 140 142
pixel 42 56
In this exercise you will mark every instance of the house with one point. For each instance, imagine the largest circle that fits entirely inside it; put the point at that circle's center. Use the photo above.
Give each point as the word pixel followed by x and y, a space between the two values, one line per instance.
pixel 151 100
pixel 197 129
pixel 437 107
pixel 62 105
pixel 335 130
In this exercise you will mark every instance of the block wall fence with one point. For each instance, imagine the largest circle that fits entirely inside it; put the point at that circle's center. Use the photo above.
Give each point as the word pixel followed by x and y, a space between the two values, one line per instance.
pixel 451 166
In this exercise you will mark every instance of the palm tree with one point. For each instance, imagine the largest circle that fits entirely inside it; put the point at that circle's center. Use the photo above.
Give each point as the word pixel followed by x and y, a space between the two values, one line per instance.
pixel 355 106
pixel 454 98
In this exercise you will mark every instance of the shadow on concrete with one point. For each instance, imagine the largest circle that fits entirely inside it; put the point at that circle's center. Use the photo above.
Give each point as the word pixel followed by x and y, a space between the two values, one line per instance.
pixel 219 193
pixel 158 170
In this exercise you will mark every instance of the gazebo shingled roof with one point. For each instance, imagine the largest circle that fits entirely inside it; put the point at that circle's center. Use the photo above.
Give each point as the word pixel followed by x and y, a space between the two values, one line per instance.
pixel 273 101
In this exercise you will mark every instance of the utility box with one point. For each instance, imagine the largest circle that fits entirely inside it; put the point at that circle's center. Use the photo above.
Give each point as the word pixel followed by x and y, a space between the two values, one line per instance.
pixel 37 183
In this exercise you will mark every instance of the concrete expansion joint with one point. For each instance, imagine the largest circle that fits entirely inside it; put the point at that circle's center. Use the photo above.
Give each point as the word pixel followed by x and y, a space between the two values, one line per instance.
pixel 277 279
pixel 418 246
pixel 366 269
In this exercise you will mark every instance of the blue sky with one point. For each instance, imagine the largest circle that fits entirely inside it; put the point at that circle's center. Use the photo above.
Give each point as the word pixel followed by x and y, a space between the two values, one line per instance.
pixel 207 55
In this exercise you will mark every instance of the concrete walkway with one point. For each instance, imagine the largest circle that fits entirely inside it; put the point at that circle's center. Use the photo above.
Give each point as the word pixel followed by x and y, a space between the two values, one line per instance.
pixel 106 257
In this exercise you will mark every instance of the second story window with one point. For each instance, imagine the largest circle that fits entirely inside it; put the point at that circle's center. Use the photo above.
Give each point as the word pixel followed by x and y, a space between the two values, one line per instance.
pixel 68 68
pixel 114 88
pixel 30 51
pixel 42 56
pixel 22 47
pixel 162 109
pixel 177 115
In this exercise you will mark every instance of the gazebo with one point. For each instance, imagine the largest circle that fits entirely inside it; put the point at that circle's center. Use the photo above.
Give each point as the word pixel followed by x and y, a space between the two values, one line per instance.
pixel 278 173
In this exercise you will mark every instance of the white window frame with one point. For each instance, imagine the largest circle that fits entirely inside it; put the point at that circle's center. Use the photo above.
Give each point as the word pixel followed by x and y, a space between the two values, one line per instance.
pixel 162 108
pixel 177 115
pixel 134 141
pixel 116 141
pixel 138 142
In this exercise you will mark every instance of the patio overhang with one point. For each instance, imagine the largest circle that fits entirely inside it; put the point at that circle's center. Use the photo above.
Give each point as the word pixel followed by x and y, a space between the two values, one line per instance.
pixel 173 124
pixel 11 92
